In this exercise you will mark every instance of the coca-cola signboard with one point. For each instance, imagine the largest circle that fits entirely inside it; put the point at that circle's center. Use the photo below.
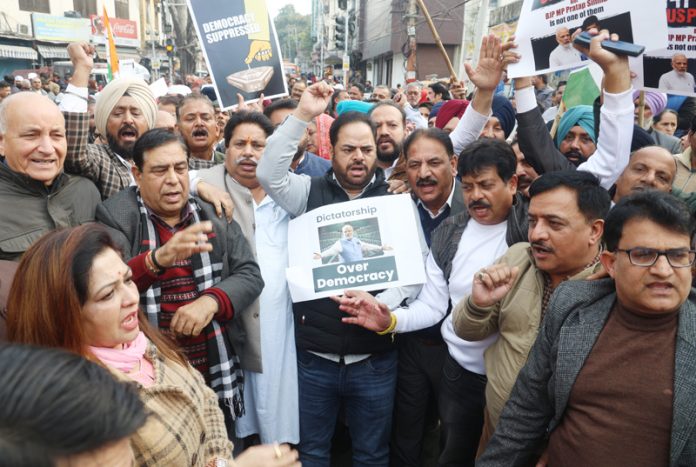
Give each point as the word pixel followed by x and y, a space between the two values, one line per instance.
pixel 125 31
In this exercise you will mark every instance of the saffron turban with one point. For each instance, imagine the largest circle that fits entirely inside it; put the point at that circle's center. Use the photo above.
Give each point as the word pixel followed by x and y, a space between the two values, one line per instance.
pixel 115 90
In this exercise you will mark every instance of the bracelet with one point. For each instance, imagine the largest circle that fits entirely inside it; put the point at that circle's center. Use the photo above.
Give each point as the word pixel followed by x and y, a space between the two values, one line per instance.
pixel 391 326
pixel 150 265
pixel 154 260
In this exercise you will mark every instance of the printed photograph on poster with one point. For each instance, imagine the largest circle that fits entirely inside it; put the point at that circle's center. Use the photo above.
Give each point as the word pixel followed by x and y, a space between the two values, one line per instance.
pixel 553 51
pixel 241 50
pixel 346 242
pixel 368 244
pixel 545 28
pixel 671 69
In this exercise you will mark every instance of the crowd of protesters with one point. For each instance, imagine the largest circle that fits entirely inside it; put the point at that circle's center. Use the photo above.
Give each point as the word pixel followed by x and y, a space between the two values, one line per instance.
pixel 145 241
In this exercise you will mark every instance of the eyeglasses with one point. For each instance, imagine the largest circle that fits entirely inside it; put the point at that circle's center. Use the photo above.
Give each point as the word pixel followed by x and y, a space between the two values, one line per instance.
pixel 646 257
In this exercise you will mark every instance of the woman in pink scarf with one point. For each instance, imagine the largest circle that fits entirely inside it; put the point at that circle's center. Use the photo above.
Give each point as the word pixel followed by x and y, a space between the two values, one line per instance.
pixel 318 132
pixel 72 290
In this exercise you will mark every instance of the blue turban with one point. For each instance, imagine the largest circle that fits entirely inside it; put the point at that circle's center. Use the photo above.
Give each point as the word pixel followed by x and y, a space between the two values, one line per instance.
pixel 580 115
pixel 503 111
pixel 353 106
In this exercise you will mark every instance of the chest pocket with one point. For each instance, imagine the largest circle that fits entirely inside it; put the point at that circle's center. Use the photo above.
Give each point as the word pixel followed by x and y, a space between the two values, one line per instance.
pixel 21 243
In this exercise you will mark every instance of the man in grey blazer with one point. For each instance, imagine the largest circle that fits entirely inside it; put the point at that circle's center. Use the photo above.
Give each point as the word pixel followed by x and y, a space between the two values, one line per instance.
pixel 612 375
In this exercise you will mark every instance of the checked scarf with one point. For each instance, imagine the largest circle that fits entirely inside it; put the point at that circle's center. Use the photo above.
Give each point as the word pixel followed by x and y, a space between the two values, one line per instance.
pixel 226 376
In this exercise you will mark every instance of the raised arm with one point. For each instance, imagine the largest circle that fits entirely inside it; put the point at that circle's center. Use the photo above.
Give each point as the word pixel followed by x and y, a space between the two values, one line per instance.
pixel 287 189
pixel 616 123
pixel 493 59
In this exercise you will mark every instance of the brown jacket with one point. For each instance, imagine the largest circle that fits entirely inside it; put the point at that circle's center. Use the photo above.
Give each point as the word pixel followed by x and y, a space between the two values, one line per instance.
pixel 186 426
pixel 516 317
pixel 685 180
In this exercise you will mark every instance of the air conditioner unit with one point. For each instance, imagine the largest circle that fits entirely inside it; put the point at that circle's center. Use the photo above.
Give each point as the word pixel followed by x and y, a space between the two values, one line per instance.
pixel 23 29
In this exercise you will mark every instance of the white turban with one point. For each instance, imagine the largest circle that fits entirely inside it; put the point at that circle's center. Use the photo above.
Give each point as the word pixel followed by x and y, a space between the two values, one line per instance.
pixel 112 92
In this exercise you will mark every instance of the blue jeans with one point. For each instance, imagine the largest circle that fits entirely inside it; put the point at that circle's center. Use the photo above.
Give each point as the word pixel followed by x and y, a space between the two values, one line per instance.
pixel 365 389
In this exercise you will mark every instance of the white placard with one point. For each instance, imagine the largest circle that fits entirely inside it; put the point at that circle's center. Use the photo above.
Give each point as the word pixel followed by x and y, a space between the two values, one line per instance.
pixel 641 23
pixel 654 70
pixel 366 244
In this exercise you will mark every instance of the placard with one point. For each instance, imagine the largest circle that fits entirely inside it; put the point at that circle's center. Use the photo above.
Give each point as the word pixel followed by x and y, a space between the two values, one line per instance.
pixel 240 46
pixel 545 26
pixel 671 69
pixel 366 244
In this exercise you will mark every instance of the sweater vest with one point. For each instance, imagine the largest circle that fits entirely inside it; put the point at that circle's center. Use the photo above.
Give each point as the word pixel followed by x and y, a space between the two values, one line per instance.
pixel 318 325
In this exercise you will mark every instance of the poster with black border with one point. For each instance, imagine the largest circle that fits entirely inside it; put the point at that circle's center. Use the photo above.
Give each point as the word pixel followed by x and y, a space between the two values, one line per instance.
pixel 671 69
pixel 545 27
pixel 240 45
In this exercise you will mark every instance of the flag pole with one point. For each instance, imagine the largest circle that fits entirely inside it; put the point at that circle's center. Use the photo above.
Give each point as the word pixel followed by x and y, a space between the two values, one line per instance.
pixel 438 41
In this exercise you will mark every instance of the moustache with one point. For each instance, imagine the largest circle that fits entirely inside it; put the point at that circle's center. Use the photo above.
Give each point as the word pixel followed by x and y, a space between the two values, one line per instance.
pixel 479 204
pixel 542 246
pixel 246 160
pixel 357 165
pixel 200 132
pixel 385 139
pixel 426 182
pixel 128 128
pixel 575 157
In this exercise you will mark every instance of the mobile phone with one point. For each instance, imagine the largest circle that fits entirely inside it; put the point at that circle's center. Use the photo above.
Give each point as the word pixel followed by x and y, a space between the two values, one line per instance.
pixel 617 47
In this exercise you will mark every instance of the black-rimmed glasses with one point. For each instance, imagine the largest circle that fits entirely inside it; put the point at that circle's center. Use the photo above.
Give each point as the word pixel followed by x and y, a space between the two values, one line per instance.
pixel 646 257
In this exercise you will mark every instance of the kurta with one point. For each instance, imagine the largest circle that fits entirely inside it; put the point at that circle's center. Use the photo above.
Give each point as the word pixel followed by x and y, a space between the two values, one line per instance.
pixel 271 397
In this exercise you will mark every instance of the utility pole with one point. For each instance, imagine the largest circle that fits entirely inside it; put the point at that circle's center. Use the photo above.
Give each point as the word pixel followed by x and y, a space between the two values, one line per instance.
pixel 411 64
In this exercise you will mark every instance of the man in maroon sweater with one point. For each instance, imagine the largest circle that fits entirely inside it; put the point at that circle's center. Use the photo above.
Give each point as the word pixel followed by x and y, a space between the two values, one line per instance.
pixel 611 378
pixel 193 270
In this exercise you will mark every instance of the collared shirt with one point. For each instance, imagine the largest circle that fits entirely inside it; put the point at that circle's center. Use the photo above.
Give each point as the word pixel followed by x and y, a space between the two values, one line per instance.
pixel 443 207
pixel 372 181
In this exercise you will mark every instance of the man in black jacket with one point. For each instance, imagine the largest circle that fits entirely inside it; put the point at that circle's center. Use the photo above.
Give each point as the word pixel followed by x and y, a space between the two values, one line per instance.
pixel 338 364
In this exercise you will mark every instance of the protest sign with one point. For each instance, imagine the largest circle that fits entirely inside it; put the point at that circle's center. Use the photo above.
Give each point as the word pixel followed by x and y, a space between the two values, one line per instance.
pixel 240 46
pixel 671 69
pixel 545 26
pixel 366 244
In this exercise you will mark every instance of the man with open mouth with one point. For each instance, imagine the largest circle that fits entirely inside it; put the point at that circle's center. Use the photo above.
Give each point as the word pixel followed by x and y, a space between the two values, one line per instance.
pixel 198 127
pixel 124 111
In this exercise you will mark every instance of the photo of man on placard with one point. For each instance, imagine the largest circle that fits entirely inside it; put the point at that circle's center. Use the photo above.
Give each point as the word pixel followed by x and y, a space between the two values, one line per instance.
pixel 347 242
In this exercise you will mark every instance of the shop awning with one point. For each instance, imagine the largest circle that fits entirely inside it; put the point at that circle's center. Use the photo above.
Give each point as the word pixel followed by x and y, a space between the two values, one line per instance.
pixel 53 51
pixel 18 52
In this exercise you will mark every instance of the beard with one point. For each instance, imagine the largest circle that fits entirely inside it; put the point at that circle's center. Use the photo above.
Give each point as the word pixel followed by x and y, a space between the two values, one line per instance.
pixel 389 157
pixel 575 157
pixel 125 151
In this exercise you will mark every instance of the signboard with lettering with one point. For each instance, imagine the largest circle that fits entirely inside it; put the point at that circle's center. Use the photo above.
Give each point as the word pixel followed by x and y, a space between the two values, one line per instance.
pixel 241 50
pixel 672 68
pixel 125 31
pixel 366 244
pixel 59 28
pixel 545 27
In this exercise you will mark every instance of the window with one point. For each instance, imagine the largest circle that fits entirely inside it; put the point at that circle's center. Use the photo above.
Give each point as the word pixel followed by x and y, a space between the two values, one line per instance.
pixel 85 7
pixel 121 9
pixel 39 6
